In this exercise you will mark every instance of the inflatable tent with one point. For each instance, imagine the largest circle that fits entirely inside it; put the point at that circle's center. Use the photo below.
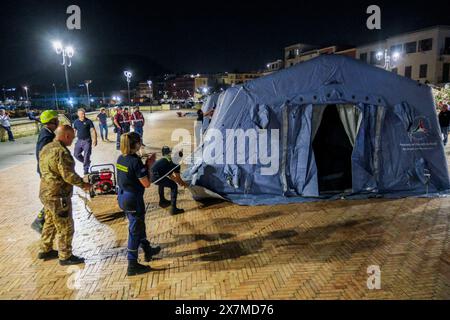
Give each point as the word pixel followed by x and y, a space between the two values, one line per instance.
pixel 210 104
pixel 334 127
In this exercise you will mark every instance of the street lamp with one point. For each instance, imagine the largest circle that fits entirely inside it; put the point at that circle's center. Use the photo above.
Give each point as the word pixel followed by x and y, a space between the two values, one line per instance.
pixel 389 59
pixel 87 83
pixel 149 82
pixel 56 97
pixel 128 75
pixel 26 93
pixel 67 52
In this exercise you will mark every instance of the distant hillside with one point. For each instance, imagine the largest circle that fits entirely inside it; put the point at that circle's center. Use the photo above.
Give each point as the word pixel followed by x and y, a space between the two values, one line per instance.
pixel 105 71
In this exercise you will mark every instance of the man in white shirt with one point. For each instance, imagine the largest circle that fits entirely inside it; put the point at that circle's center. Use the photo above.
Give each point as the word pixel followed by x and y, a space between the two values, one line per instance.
pixel 5 124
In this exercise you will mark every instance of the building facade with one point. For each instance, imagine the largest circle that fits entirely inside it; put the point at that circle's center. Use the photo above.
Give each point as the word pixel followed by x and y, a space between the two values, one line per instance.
pixel 232 79
pixel 144 92
pixel 186 87
pixel 299 53
pixel 423 55
pixel 293 53
pixel 273 67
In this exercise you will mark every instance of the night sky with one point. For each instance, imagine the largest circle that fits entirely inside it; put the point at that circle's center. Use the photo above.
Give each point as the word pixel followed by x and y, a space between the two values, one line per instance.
pixel 195 36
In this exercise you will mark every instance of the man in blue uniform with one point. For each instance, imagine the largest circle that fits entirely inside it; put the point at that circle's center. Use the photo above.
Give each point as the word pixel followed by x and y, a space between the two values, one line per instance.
pixel 87 136
pixel 171 173
pixel 49 119
pixel 132 178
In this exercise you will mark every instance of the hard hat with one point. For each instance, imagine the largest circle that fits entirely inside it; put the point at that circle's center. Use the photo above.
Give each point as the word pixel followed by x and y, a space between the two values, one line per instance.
pixel 48 115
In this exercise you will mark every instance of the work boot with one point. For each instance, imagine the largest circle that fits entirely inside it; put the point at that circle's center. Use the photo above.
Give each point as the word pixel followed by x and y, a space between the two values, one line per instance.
pixel 175 211
pixel 38 225
pixel 71 261
pixel 150 252
pixel 134 268
pixel 164 203
pixel 52 254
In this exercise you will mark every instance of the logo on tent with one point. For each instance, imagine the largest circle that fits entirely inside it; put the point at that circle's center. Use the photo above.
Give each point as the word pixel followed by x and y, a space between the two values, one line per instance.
pixel 420 128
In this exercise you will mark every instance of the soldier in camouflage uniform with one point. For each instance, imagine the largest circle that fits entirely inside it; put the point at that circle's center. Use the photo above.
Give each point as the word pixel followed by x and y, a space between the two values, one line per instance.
pixel 58 177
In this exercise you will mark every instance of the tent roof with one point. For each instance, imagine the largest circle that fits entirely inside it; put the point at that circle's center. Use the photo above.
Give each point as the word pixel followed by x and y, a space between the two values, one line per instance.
pixel 335 79
pixel 210 102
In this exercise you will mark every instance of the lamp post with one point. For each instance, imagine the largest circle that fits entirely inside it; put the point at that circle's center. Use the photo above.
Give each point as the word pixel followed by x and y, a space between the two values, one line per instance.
pixel 389 59
pixel 87 83
pixel 149 82
pixel 128 75
pixel 67 54
pixel 56 97
pixel 26 93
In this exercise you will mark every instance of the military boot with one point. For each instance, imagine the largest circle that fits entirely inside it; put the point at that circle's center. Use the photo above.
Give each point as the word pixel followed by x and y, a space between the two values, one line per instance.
pixel 150 252
pixel 71 261
pixel 174 211
pixel 134 268
pixel 164 203
pixel 52 254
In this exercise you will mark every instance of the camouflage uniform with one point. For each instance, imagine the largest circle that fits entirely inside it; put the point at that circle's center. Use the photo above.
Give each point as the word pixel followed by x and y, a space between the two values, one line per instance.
pixel 58 178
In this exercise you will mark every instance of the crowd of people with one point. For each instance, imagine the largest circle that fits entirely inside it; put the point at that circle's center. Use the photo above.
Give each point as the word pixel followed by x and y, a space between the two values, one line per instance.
pixel 56 168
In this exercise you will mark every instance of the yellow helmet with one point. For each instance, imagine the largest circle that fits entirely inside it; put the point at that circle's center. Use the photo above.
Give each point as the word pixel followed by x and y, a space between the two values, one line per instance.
pixel 48 115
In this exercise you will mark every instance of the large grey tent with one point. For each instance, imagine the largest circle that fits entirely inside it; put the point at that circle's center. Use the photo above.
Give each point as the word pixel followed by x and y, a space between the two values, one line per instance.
pixel 346 129
pixel 210 104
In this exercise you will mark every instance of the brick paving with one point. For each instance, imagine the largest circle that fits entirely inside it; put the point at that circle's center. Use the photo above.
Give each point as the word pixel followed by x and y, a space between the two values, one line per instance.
pixel 223 251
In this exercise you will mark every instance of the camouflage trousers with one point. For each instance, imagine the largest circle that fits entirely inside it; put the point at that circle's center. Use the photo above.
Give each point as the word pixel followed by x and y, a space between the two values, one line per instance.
pixel 58 224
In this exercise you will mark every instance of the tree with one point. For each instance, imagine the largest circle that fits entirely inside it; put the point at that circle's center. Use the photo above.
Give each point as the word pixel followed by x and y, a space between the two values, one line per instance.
pixel 442 95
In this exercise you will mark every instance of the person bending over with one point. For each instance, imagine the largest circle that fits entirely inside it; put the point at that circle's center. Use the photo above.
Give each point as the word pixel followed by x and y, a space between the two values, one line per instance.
pixel 166 174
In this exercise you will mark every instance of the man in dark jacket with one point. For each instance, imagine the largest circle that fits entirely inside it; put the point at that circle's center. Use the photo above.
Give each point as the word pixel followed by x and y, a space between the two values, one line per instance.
pixel 166 174
pixel 50 121
pixel 444 122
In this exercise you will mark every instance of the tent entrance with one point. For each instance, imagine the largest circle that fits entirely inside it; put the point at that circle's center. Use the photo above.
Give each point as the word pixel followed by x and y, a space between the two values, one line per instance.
pixel 333 153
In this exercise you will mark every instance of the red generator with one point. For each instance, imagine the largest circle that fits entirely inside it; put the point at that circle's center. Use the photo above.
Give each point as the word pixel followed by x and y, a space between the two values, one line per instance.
pixel 103 180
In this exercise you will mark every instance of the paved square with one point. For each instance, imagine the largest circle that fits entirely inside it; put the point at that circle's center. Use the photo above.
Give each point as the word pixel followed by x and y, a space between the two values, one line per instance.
pixel 223 251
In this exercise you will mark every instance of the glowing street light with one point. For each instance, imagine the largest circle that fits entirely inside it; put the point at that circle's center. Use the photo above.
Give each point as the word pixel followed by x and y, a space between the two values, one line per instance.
pixel 87 83
pixel 26 92
pixel 128 75
pixel 150 83
pixel 56 97
pixel 389 59
pixel 67 53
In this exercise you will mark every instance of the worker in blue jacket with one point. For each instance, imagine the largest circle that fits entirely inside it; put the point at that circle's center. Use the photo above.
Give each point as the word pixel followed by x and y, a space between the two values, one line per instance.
pixel 132 179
